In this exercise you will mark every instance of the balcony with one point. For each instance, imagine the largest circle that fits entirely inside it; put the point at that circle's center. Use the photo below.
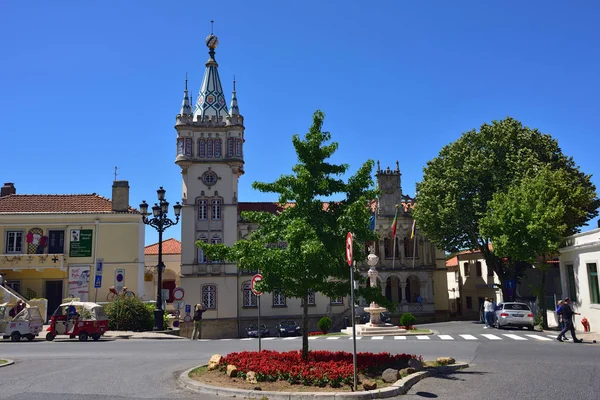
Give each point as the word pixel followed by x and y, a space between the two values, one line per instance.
pixel 202 269
pixel 32 261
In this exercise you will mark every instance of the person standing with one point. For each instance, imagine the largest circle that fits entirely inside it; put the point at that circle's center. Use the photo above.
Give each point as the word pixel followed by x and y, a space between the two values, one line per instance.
pixel 567 316
pixel 487 312
pixel 198 311
pixel 561 321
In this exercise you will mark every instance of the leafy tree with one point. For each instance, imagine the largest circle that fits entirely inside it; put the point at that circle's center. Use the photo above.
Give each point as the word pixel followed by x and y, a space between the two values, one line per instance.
pixel 459 185
pixel 314 229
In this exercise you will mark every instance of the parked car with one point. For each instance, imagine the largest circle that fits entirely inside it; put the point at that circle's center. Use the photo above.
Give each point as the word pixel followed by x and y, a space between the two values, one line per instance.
pixel 386 317
pixel 514 314
pixel 287 328
pixel 252 330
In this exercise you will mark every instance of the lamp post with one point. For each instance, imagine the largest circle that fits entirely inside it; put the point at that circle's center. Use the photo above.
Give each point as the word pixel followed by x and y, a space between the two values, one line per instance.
pixel 160 222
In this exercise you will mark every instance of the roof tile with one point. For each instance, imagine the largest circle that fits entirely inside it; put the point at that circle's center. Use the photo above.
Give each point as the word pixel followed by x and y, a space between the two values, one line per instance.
pixel 170 246
pixel 56 203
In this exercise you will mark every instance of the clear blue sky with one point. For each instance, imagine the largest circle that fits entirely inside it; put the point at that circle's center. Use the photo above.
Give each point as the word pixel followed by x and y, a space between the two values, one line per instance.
pixel 87 85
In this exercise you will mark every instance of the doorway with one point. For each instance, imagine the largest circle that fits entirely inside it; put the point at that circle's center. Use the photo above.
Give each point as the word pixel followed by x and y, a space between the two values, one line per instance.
pixel 54 294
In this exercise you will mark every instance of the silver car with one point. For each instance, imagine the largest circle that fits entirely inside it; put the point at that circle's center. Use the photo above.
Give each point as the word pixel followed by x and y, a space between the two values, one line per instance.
pixel 514 314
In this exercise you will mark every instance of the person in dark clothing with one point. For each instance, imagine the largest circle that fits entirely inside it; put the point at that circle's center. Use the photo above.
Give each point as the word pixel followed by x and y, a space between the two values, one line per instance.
pixel 198 311
pixel 567 316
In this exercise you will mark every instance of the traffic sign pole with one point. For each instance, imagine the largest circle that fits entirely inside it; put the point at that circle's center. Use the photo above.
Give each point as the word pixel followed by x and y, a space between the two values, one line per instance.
pixel 353 324
pixel 259 341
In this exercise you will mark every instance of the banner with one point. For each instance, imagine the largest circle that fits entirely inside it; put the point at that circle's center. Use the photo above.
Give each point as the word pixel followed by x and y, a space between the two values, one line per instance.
pixel 80 243
pixel 79 282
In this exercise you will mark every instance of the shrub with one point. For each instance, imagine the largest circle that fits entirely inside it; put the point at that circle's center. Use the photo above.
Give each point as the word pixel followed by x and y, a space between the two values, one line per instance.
pixel 407 320
pixel 324 324
pixel 130 314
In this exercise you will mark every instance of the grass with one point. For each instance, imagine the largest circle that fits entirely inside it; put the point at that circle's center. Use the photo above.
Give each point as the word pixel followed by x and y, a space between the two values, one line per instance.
pixel 198 371
pixel 3 362
pixel 419 331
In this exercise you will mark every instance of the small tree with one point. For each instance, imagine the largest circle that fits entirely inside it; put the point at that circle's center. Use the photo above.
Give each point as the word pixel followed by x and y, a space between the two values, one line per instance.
pixel 313 226
pixel 407 320
pixel 324 324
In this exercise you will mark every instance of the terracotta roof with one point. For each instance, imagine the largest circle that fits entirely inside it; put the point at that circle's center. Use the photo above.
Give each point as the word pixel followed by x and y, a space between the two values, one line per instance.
pixel 170 246
pixel 56 204
pixel 271 207
pixel 452 262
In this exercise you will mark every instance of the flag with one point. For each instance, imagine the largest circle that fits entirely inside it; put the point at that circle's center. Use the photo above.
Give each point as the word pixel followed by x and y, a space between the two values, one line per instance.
pixel 414 228
pixel 372 221
pixel 394 222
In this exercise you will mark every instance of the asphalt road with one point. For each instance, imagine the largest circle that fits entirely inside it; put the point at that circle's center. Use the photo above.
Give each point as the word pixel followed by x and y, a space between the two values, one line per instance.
pixel 146 369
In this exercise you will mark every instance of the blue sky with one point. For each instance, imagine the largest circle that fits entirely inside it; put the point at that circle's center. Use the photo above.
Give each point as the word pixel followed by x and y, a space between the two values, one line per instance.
pixel 86 86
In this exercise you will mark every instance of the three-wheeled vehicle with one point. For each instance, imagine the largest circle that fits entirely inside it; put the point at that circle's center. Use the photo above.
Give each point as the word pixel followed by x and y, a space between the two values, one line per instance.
pixel 78 319
pixel 26 324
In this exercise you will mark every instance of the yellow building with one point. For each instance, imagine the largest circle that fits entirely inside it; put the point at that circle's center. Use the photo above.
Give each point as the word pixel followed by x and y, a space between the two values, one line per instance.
pixel 52 244
pixel 171 257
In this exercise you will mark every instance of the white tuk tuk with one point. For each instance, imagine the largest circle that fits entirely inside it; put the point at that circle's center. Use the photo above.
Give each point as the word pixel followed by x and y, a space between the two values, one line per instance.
pixel 26 324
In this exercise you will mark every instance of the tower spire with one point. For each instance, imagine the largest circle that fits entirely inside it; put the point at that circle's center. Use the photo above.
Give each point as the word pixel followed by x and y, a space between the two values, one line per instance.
pixel 233 108
pixel 211 100
pixel 186 108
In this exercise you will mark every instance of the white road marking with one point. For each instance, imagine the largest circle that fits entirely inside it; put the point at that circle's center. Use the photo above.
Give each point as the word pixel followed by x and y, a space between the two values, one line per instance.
pixel 514 337
pixel 468 337
pixel 290 338
pixel 538 337
pixel 313 337
pixel 445 337
pixel 399 337
pixel 377 338
pixel 333 338
pixel 248 338
pixel 490 336
pixel 224 340
pixel 269 338
pixel 422 337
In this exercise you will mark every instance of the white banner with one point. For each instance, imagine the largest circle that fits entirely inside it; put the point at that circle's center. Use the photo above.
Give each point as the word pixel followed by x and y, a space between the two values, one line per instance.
pixel 79 282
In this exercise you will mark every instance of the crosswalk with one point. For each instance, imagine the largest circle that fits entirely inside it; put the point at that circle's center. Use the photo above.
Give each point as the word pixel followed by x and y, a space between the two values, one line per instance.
pixel 438 337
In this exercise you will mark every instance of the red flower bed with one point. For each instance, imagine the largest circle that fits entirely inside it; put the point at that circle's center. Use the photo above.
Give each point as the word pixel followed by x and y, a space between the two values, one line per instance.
pixel 321 368
pixel 315 333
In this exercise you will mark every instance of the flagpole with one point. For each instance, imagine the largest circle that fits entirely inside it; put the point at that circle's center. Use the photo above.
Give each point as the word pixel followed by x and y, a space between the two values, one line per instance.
pixel 414 244
pixel 394 253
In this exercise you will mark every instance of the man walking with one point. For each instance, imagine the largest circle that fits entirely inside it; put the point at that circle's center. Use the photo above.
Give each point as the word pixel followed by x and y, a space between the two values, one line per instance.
pixel 487 312
pixel 567 316
pixel 197 332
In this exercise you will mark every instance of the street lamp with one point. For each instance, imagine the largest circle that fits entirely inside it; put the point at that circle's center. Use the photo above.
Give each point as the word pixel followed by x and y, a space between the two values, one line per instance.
pixel 160 222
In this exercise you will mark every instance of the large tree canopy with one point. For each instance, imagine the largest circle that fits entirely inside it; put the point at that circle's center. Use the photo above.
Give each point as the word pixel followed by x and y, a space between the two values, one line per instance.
pixel 489 174
pixel 313 228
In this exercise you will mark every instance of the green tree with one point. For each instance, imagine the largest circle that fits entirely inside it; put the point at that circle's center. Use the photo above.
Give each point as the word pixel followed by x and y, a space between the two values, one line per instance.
pixel 313 228
pixel 459 185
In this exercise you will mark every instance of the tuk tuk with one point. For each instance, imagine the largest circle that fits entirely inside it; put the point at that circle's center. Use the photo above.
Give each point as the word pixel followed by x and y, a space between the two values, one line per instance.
pixel 78 319
pixel 27 323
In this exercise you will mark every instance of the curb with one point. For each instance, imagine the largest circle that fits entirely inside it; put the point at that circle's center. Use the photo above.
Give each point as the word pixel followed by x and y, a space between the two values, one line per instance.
pixel 400 387
pixel 133 337
pixel 7 363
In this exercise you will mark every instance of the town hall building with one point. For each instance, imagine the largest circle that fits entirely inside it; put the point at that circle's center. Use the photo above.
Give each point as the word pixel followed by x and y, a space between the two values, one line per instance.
pixel 210 153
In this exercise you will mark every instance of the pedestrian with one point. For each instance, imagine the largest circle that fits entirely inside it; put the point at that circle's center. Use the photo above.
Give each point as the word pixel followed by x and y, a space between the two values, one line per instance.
pixel 561 321
pixel 197 332
pixel 567 315
pixel 487 312
pixel 494 307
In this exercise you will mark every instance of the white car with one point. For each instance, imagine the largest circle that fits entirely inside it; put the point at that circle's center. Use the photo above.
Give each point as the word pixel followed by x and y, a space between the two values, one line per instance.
pixel 514 314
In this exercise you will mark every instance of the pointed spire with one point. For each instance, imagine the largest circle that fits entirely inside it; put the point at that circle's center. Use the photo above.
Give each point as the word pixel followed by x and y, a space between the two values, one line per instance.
pixel 234 109
pixel 186 108
pixel 211 100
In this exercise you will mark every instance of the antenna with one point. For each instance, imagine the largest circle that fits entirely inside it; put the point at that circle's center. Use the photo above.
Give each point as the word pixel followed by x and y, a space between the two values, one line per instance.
pixel 211 26
pixel 116 168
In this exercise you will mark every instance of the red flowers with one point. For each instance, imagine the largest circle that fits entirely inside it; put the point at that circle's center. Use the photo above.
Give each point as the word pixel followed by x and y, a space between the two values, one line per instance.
pixel 321 368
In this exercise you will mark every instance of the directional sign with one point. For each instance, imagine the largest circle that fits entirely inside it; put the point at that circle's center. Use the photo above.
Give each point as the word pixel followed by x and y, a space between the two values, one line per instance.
pixel 255 279
pixel 98 282
pixel 99 264
pixel 510 284
pixel 349 248
pixel 178 293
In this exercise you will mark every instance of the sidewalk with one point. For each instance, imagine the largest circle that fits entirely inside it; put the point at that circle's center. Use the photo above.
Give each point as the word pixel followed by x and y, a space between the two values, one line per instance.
pixel 165 335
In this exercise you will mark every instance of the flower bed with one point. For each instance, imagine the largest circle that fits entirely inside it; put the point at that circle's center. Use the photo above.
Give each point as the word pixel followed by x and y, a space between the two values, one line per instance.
pixel 321 368
pixel 315 333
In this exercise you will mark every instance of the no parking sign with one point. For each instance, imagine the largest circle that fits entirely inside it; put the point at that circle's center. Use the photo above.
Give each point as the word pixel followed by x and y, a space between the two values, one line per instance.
pixel 119 278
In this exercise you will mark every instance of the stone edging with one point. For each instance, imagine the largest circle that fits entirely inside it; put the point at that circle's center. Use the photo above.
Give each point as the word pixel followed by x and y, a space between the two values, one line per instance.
pixel 7 363
pixel 399 387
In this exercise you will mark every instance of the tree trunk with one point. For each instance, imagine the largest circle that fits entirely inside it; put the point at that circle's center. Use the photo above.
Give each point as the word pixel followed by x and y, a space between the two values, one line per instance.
pixel 305 328
pixel 542 299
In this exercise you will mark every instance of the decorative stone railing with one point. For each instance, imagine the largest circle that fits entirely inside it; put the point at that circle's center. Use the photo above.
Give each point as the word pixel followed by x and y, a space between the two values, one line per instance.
pixel 34 261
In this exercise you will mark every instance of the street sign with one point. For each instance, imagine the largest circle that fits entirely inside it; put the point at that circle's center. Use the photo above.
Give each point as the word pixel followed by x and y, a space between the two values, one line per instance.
pixel 119 278
pixel 177 313
pixel 188 308
pixel 98 282
pixel 178 304
pixel 187 318
pixel 349 248
pixel 178 293
pixel 255 279
pixel 510 284
pixel 99 264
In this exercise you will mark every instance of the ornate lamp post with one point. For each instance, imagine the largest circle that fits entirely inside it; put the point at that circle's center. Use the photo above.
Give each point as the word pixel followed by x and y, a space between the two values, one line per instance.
pixel 160 222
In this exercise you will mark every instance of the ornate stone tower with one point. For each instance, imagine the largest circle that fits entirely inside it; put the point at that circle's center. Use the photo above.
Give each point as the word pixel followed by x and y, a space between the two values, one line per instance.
pixel 210 153
pixel 388 182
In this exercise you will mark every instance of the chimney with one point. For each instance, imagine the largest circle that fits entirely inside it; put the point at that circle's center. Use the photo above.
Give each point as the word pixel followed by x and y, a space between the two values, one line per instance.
pixel 8 188
pixel 120 196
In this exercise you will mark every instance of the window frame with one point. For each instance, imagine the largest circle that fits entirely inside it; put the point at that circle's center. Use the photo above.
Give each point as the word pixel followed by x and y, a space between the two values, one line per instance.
pixel 202 209
pixel 279 300
pixel 571 284
pixel 216 212
pixel 15 285
pixel 188 149
pixel 206 290
pixel 7 241
pixel 312 298
pixel 336 301
pixel 467 268
pixel 249 299
pixel 49 233
pixel 202 148
pixel 593 282
pixel 478 269
pixel 217 148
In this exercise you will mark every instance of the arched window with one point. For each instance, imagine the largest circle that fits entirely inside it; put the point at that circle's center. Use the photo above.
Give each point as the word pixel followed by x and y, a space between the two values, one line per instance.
pixel 238 147
pixel 386 248
pixel 202 148
pixel 189 144
pixel 230 142
pixel 217 148
pixel 202 209
pixel 201 255
pixel 180 146
pixel 249 297
pixel 209 296
pixel 216 209
pixel 209 148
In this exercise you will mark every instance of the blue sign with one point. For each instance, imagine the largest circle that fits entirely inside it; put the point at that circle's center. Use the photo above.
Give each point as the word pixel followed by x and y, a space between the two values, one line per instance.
pixel 188 308
pixel 510 284
pixel 98 282
pixel 99 264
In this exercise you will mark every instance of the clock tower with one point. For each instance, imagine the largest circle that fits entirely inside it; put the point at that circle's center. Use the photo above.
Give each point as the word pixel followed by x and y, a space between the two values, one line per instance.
pixel 388 182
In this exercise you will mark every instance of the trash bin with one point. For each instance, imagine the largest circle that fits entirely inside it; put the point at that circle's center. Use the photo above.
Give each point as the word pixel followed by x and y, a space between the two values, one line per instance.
pixel 346 322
